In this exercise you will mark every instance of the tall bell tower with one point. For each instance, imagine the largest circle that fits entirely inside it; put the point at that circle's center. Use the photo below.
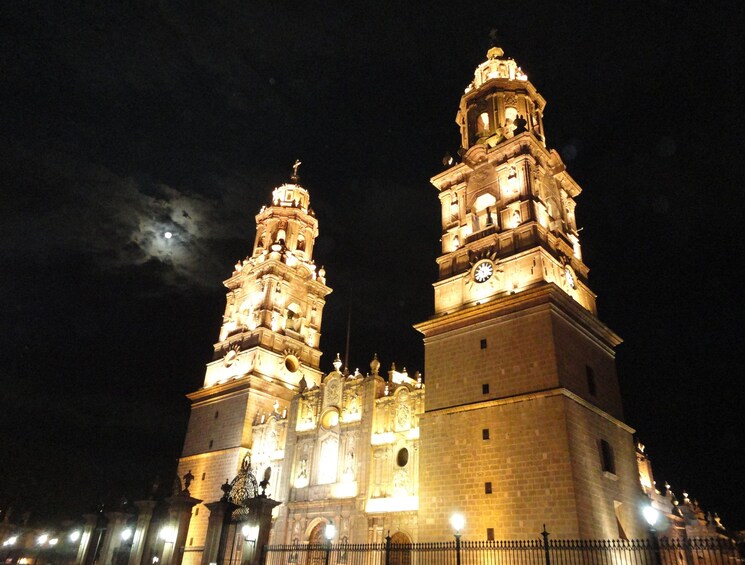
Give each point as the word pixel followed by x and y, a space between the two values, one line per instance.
pixel 523 423
pixel 267 350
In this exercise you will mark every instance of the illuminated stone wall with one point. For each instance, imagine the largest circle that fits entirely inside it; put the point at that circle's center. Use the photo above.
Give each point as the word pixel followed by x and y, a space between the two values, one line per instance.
pixel 352 447
pixel 524 420
pixel 267 351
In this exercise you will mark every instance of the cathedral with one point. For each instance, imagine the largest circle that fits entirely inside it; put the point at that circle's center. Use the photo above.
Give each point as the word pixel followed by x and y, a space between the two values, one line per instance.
pixel 518 421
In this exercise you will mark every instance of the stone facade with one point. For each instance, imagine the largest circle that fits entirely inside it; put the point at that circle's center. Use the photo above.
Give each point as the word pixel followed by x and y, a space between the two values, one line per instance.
pixel 523 424
pixel 515 344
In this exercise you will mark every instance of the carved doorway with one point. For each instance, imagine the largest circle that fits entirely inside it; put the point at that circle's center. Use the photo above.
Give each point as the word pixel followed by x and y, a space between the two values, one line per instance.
pixel 400 549
pixel 316 545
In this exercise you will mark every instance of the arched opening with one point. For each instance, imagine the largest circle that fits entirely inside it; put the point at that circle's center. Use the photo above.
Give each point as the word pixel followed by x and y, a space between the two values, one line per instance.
pixel 510 115
pixel 482 208
pixel 316 534
pixel 294 320
pixel 301 242
pixel 482 124
pixel 400 549
pixel 317 555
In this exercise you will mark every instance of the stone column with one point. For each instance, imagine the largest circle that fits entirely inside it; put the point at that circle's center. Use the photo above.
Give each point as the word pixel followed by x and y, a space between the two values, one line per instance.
pixel 214 543
pixel 86 538
pixel 179 510
pixel 261 509
pixel 144 517
pixel 117 521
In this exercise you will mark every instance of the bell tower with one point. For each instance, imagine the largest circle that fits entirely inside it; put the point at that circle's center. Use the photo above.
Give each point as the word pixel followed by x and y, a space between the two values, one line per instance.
pixel 523 423
pixel 267 350
pixel 508 209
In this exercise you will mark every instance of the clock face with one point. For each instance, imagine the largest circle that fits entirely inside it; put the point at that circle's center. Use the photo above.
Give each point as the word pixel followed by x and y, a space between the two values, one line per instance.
pixel 569 276
pixel 483 271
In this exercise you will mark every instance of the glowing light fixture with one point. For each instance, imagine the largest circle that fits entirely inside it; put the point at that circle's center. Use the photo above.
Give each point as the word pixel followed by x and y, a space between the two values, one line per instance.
pixel 457 521
pixel 250 533
pixel 74 536
pixel 168 534
pixel 329 531
pixel 42 539
pixel 651 515
pixel 10 541
pixel 126 534
pixel 53 541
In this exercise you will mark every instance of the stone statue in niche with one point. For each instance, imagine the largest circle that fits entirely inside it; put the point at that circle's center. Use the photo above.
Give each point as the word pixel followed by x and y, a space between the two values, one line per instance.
pixel 521 125
pixel 489 218
pixel 307 412
pixel 303 469
pixel 349 464
pixel 401 483
pixel 354 403
pixel 272 442
pixel 516 218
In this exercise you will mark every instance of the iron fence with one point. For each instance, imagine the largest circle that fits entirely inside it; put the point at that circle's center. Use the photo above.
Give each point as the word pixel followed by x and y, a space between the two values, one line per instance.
pixel 518 552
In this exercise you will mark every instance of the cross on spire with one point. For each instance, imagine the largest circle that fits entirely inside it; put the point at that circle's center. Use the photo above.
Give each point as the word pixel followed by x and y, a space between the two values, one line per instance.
pixel 295 167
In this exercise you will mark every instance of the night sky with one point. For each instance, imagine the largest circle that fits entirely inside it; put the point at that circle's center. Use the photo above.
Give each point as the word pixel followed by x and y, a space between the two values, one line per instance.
pixel 120 121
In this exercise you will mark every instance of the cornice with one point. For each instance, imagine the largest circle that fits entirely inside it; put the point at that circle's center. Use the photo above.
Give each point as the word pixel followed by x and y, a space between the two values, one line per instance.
pixel 547 393
pixel 255 383
pixel 544 294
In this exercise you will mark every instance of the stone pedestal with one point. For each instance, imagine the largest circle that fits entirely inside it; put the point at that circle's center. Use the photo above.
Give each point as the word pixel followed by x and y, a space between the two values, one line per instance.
pixel 261 509
pixel 179 510
pixel 112 538
pixel 144 517
pixel 87 539
pixel 214 544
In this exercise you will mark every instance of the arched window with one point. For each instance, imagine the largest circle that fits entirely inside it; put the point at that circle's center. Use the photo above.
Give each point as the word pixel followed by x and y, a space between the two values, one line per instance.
pixel 301 242
pixel 510 115
pixel 316 534
pixel 482 124
pixel 482 208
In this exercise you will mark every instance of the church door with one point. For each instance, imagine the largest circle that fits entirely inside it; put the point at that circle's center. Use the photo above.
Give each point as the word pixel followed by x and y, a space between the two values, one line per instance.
pixel 316 544
pixel 400 549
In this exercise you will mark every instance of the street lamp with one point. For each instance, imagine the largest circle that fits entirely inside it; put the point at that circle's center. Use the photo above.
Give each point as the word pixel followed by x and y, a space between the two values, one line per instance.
pixel 329 532
pixel 168 534
pixel 651 515
pixel 126 534
pixel 74 536
pixel 457 521
pixel 250 533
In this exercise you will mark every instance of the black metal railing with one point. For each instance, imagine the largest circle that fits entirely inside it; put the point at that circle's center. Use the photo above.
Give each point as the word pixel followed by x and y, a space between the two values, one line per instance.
pixel 512 552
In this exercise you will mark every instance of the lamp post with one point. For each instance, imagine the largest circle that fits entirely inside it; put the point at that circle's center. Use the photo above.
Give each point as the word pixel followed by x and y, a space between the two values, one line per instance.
pixel 168 534
pixel 457 521
pixel 651 515
pixel 250 535
pixel 329 532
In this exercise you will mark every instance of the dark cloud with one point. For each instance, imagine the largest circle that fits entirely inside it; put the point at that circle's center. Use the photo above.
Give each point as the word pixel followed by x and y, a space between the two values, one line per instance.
pixel 76 207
